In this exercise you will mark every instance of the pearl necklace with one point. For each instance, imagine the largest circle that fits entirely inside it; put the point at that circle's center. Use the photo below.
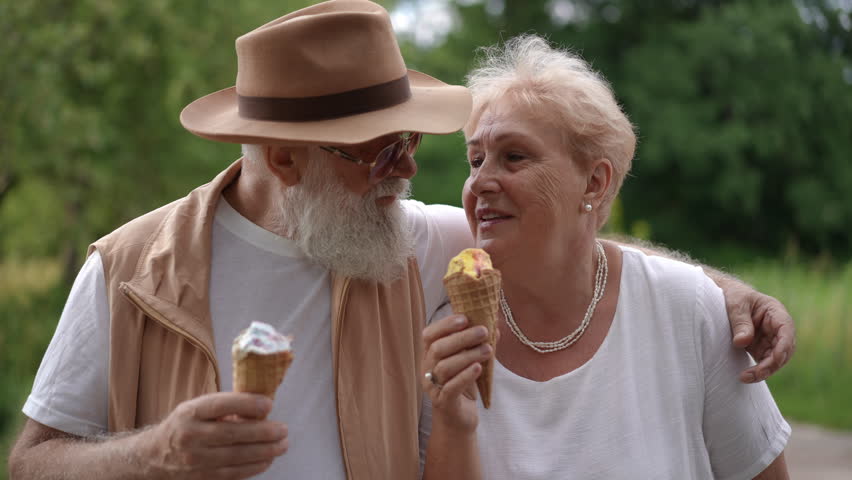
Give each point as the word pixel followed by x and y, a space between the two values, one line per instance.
pixel 547 347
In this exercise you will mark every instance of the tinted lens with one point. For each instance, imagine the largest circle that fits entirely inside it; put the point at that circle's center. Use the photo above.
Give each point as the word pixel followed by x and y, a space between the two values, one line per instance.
pixel 413 143
pixel 386 159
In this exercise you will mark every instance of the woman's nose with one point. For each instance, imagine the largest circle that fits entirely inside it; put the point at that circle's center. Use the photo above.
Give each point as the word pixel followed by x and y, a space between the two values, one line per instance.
pixel 484 180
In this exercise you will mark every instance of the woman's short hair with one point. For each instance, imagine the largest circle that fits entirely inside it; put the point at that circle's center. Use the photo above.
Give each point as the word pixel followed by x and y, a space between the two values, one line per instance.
pixel 564 87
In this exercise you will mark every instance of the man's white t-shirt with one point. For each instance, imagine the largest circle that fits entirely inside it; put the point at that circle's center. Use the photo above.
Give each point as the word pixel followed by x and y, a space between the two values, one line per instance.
pixel 659 399
pixel 255 275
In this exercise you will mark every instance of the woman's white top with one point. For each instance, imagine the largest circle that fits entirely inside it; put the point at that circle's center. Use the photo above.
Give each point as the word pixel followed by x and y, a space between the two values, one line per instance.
pixel 660 399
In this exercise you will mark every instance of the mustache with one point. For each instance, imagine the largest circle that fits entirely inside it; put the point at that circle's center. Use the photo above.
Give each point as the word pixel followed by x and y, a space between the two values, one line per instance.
pixel 392 186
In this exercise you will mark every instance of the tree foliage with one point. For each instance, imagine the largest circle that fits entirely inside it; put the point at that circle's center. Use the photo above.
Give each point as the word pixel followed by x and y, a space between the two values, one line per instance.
pixel 91 93
pixel 742 109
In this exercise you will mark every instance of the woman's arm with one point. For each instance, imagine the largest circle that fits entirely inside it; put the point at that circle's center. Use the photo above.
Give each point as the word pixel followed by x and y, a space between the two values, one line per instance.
pixel 451 454
pixel 776 470
pixel 453 356
pixel 744 432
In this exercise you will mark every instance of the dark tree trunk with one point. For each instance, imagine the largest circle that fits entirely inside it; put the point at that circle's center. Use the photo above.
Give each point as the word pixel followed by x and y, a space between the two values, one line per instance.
pixel 70 251
pixel 8 180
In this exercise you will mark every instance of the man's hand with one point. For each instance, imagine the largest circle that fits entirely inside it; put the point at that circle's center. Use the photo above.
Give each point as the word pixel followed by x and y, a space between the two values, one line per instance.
pixel 220 435
pixel 761 325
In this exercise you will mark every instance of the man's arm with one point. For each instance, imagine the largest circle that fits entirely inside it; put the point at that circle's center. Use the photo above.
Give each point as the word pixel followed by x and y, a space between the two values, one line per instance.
pixel 759 323
pixel 42 452
pixel 194 441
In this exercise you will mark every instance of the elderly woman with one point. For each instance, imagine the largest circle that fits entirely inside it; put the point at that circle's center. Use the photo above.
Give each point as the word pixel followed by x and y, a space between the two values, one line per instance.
pixel 610 363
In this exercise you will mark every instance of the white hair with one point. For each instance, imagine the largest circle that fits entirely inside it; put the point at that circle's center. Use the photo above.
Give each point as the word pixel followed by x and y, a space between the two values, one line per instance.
pixel 561 85
pixel 347 233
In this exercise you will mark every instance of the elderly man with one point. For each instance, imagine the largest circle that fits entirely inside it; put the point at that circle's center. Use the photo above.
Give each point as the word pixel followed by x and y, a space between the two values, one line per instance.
pixel 308 232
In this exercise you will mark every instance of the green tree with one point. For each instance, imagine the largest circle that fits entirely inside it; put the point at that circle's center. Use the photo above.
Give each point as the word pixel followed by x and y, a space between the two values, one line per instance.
pixel 91 93
pixel 742 109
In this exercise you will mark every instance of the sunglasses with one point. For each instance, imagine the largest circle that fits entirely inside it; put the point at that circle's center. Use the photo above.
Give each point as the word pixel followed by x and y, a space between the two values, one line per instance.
pixel 388 157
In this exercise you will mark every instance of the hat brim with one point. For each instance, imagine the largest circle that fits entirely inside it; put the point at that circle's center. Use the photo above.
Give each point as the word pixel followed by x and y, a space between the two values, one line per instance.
pixel 434 108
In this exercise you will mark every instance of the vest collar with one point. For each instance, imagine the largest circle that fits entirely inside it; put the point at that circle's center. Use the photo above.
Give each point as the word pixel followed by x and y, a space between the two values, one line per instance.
pixel 171 282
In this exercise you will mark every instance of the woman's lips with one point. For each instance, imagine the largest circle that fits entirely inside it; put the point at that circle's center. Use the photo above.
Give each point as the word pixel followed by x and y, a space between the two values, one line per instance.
pixel 488 224
pixel 487 218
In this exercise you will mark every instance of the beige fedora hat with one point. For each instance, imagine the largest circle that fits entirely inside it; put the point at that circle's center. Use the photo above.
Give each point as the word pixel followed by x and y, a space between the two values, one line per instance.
pixel 331 73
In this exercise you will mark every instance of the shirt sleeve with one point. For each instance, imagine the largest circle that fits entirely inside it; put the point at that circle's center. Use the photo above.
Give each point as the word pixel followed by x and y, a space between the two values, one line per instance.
pixel 70 392
pixel 743 430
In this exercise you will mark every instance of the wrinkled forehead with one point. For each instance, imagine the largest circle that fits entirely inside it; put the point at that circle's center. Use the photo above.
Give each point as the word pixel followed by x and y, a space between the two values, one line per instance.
pixel 506 117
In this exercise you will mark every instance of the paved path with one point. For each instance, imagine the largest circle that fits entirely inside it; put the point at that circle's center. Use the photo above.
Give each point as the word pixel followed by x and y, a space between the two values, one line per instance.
pixel 817 453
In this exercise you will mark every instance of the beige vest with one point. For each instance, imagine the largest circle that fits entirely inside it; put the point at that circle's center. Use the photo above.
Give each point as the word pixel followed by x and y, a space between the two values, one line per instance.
pixel 162 349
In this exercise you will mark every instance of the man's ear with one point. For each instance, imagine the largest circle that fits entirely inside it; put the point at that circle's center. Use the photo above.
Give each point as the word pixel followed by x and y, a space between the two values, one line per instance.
pixel 600 177
pixel 280 161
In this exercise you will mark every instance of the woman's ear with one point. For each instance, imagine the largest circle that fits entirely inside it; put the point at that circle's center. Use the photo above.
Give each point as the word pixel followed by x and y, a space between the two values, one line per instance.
pixel 281 163
pixel 600 177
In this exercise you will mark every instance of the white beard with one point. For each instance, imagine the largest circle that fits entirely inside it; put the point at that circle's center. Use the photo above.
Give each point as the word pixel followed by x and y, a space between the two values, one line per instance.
pixel 344 232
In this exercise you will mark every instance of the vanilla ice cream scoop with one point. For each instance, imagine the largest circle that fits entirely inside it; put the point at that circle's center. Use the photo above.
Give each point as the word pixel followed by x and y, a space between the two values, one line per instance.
pixel 261 356
pixel 260 338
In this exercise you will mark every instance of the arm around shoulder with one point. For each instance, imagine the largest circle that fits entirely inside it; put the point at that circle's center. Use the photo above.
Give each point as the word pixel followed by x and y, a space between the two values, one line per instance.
pixel 759 323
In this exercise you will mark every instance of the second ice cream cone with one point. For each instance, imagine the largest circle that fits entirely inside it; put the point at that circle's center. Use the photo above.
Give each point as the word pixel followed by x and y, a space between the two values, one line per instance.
pixel 261 373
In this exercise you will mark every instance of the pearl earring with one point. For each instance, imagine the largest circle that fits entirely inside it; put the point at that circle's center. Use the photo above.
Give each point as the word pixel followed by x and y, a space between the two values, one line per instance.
pixel 587 207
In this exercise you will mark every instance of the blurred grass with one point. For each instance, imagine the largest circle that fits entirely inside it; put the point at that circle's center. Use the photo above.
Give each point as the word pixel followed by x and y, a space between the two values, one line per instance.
pixel 814 387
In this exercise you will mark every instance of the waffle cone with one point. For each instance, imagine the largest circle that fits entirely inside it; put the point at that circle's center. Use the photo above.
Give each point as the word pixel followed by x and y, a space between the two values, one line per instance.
pixel 257 373
pixel 479 300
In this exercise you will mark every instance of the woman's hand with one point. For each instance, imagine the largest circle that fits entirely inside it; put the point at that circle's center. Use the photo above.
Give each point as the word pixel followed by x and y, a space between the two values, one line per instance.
pixel 454 353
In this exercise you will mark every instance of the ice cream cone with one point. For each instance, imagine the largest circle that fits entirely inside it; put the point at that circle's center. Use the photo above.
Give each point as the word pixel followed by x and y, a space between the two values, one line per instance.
pixel 261 373
pixel 478 299
pixel 260 357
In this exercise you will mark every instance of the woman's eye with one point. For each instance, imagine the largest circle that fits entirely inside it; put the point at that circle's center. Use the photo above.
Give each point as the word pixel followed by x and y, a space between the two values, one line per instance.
pixel 476 162
pixel 515 157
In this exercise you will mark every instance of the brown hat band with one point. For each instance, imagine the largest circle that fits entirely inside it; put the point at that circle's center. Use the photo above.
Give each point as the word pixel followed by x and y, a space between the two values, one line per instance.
pixel 324 107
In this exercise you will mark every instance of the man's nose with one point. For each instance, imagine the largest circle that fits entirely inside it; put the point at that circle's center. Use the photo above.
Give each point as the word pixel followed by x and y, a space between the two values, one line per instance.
pixel 404 167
